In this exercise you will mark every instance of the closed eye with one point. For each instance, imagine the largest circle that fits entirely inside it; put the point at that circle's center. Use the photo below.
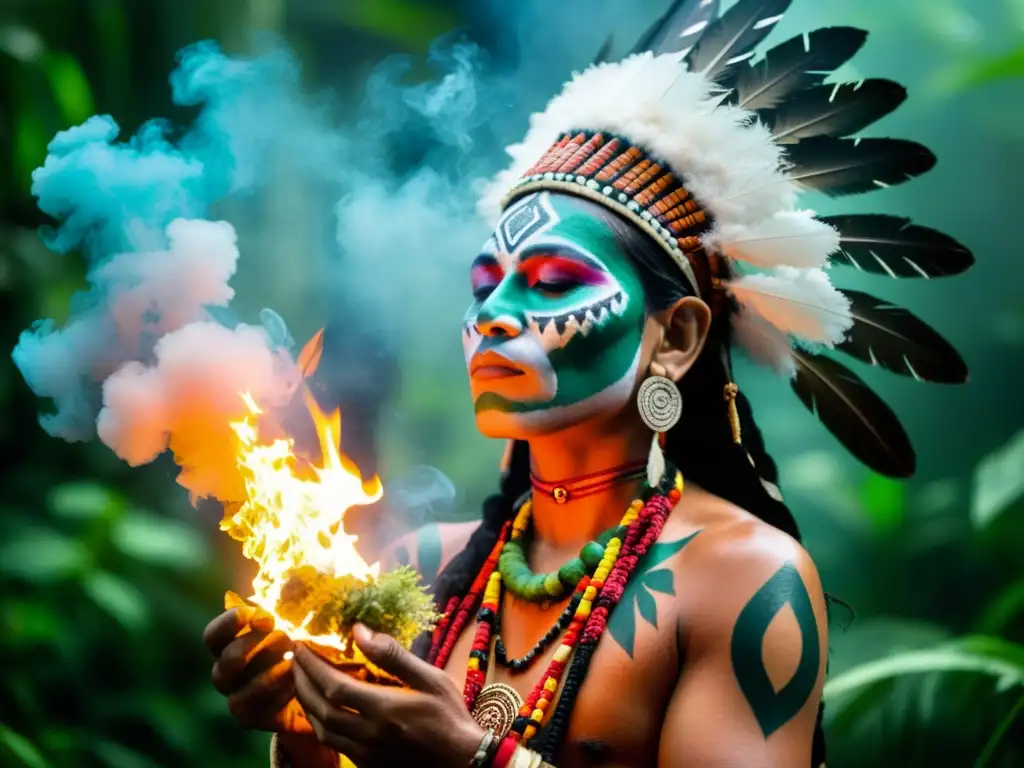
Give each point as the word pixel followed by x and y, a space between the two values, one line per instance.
pixel 484 276
pixel 557 274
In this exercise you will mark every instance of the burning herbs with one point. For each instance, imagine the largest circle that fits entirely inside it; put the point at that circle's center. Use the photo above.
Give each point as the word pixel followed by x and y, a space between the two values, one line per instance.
pixel 395 603
pixel 311 578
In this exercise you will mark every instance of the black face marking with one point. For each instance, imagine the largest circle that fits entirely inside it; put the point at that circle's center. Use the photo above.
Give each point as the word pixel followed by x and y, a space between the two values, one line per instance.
pixel 639 593
pixel 772 708
pixel 522 222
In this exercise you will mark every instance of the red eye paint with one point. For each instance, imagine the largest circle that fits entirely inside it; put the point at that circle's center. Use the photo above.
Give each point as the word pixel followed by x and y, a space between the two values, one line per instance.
pixel 559 270
pixel 485 275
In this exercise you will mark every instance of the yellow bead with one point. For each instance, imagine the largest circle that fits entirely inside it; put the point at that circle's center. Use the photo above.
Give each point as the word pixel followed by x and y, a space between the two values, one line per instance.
pixel 589 594
pixel 551 685
pixel 601 573
pixel 529 732
pixel 474 663
pixel 537 715
pixel 583 611
pixel 637 505
pixel 679 482
pixel 563 652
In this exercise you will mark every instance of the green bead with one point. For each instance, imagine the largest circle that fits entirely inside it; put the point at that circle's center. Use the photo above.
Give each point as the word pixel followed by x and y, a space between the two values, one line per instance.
pixel 513 549
pixel 535 589
pixel 553 585
pixel 592 553
pixel 572 573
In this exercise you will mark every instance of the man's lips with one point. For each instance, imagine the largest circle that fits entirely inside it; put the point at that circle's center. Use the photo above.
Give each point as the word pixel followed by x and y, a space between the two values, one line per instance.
pixel 490 366
pixel 488 372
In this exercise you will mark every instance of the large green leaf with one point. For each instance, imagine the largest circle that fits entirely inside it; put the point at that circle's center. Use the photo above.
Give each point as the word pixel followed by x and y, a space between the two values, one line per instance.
pixel 949 704
pixel 990 656
pixel 160 541
pixel 1004 612
pixel 23 751
pixel 41 555
pixel 84 501
pixel 119 598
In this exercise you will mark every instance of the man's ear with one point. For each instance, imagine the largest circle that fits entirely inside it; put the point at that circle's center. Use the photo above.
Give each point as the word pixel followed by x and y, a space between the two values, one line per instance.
pixel 686 326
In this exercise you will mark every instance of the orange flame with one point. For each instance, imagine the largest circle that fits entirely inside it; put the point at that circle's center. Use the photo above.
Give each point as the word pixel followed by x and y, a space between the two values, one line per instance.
pixel 294 511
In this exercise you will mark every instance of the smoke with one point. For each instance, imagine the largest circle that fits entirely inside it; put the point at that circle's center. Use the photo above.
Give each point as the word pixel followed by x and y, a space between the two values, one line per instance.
pixel 152 356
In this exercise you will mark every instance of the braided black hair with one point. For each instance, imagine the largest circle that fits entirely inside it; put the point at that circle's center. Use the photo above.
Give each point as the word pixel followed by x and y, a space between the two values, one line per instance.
pixel 712 460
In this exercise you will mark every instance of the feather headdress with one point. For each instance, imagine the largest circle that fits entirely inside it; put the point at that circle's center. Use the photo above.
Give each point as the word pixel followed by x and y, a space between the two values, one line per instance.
pixel 708 150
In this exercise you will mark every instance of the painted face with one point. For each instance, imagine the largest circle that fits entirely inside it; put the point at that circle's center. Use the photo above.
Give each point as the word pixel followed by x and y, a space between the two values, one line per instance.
pixel 554 334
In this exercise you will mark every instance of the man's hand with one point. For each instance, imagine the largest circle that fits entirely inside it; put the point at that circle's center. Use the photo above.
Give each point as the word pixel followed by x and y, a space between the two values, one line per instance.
pixel 374 725
pixel 251 671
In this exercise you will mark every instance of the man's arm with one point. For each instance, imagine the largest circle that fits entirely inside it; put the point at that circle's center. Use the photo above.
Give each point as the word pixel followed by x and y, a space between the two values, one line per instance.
pixel 428 549
pixel 755 666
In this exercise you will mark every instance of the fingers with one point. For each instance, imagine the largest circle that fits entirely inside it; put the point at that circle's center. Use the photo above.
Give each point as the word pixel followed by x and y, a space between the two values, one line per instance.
pixel 384 651
pixel 334 726
pixel 268 692
pixel 248 656
pixel 226 627
pixel 337 688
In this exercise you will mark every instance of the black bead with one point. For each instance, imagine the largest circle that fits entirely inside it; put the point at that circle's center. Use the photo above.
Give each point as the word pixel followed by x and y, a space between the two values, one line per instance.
pixel 486 614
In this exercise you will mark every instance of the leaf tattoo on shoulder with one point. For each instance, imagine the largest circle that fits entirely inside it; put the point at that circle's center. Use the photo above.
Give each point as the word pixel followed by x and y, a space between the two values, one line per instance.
pixel 639 593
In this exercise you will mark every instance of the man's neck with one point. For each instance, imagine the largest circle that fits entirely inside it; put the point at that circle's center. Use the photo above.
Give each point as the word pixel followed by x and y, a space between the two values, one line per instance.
pixel 575 453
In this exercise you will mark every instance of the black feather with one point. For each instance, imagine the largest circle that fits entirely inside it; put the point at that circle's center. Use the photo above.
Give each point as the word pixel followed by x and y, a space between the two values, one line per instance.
pixel 605 50
pixel 833 110
pixel 891 338
pixel 894 246
pixel 679 28
pixel 734 36
pixel 858 418
pixel 851 166
pixel 794 65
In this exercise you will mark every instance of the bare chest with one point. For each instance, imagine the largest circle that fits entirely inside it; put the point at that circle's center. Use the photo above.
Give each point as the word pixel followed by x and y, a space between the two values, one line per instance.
pixel 618 710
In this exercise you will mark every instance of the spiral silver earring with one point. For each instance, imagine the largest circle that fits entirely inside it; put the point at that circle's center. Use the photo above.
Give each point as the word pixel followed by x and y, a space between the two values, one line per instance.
pixel 659 403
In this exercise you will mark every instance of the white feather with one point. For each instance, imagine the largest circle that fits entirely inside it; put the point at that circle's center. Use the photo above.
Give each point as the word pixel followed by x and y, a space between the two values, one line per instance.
pixel 799 302
pixel 655 464
pixel 763 342
pixel 727 159
pixel 787 239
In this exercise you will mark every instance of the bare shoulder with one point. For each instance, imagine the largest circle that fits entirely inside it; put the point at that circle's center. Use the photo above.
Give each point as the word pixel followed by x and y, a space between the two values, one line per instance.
pixel 739 566
pixel 430 548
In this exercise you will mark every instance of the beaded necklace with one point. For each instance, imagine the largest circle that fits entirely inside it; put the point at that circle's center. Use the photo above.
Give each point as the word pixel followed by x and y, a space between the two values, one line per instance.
pixel 594 597
pixel 519 579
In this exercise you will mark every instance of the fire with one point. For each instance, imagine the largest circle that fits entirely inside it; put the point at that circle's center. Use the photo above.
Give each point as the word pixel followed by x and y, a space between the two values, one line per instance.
pixel 294 512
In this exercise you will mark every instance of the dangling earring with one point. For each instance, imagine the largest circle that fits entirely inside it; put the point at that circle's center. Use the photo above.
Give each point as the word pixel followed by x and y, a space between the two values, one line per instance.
pixel 660 406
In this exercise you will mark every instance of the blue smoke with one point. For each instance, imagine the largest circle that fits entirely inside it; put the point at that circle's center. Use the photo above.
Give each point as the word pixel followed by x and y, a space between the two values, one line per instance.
pixel 370 214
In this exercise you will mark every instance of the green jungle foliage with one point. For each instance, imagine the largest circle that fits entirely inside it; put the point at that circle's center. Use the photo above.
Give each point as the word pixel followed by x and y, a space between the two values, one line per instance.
pixel 108 575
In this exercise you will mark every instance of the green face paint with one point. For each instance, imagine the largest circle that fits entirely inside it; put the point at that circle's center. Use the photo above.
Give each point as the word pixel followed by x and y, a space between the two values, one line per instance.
pixel 559 308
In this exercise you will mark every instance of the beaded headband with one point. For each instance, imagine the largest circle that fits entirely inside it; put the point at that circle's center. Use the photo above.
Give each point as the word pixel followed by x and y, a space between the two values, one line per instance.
pixel 614 173
pixel 706 149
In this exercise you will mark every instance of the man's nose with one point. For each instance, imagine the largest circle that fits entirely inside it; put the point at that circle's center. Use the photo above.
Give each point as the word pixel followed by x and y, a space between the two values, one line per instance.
pixel 498 324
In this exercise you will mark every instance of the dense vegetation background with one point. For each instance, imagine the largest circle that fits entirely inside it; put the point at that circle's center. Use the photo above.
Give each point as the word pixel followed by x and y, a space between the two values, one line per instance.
pixel 108 574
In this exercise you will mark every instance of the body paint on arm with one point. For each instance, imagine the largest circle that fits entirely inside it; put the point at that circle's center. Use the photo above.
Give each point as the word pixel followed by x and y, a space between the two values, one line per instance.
pixel 774 708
